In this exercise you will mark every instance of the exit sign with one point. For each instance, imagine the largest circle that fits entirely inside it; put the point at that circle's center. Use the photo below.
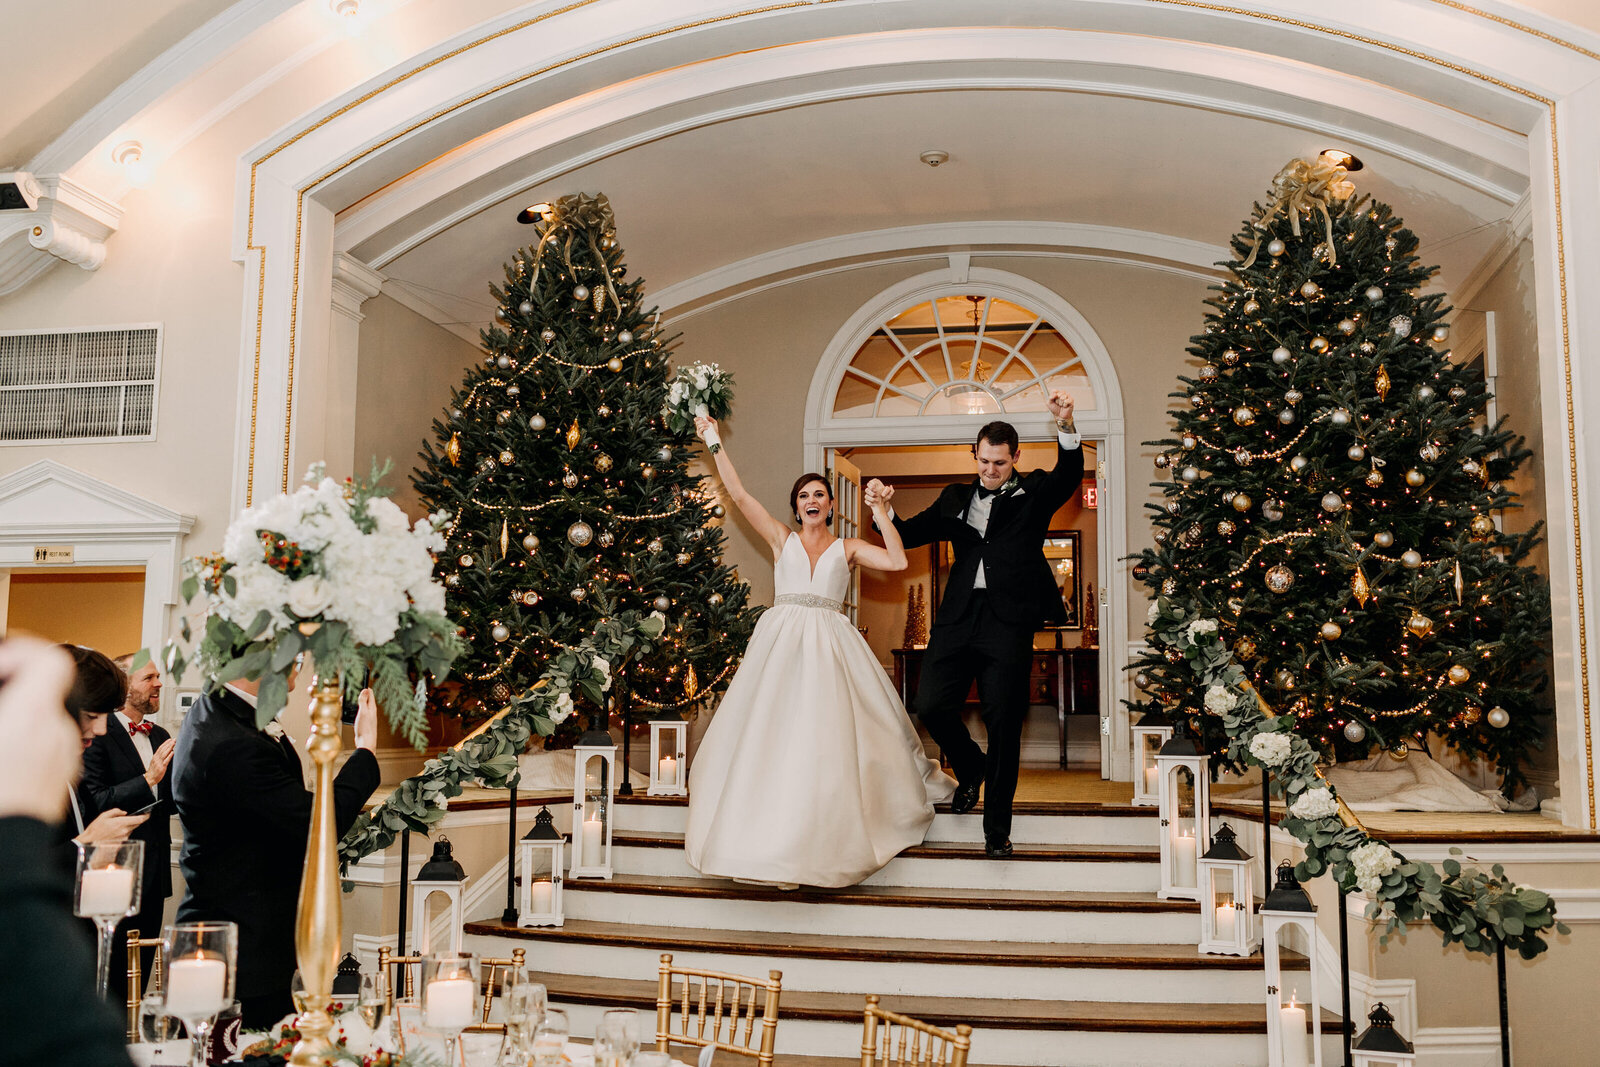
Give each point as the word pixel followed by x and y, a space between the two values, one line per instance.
pixel 1091 495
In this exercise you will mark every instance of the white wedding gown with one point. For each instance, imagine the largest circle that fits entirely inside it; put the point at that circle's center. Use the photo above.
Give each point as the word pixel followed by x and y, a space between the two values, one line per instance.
pixel 811 771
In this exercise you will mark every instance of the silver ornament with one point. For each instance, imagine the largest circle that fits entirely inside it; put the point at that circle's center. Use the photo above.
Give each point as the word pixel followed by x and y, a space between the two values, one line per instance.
pixel 1390 244
pixel 1198 400
pixel 1332 502
pixel 530 598
pixel 1400 325
pixel 500 314
pixel 1190 474
pixel 1340 417
pixel 1279 578
pixel 580 533
pixel 502 361
pixel 1383 538
pixel 662 603
pixel 606 539
pixel 1230 357
pixel 1354 732
pixel 1189 441
pixel 1356 453
pixel 1173 507
pixel 1226 527
pixel 696 534
pixel 1169 586
pixel 604 411
pixel 718 511
pixel 507 457
pixel 1441 334
pixel 1243 457
pixel 1244 416
pixel 1208 372
pixel 1293 396
pixel 570 479
pixel 455 413
pixel 1299 463
pixel 1251 307
pixel 547 335
pixel 513 390
pixel 1470 467
pixel 500 631
pixel 1286 416
pixel 655 544
pixel 1430 452
pixel 625 337
pixel 1160 536
pixel 1424 392
pixel 1319 344
pixel 1374 295
pixel 1280 355
pixel 1310 289
pixel 1275 247
pixel 664 454
pixel 1415 477
pixel 1347 326
pixel 1498 717
pixel 683 559
pixel 525 308
pixel 536 423
pixel 1368 347
pixel 452 580
pixel 1284 679
pixel 1457 393
pixel 502 417
pixel 1142 680
pixel 579 594
pixel 1411 559
pixel 530 544
pixel 1374 477
pixel 1162 461
pixel 580 292
pixel 714 599
pixel 1271 510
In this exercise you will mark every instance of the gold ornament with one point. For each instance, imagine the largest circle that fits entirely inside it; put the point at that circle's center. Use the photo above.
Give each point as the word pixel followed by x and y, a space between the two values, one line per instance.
pixel 1359 587
pixel 1458 674
pixel 691 683
pixel 1399 752
pixel 1242 502
pixel 614 363
pixel 1419 624
pixel 1482 526
pixel 1332 631
pixel 1381 383
pixel 1458 582
pixel 570 479
pixel 602 463
pixel 1279 578
pixel 1244 648
pixel 452 450
pixel 572 435
pixel 505 538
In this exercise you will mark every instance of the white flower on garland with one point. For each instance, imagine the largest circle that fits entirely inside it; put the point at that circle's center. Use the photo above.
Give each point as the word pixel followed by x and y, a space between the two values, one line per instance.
pixel 1218 699
pixel 604 668
pixel 1372 861
pixel 1201 627
pixel 1152 613
pixel 1315 803
pixel 1271 748
pixel 563 709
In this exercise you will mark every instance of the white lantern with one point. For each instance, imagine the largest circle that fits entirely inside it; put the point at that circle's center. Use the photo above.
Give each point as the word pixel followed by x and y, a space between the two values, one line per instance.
pixel 542 866
pixel 1151 732
pixel 669 747
pixel 1184 800
pixel 1288 907
pixel 440 875
pixel 1227 898
pixel 1379 1044
pixel 594 788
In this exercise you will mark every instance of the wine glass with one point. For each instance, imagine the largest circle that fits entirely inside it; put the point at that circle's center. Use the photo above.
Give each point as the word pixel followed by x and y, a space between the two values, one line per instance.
pixel 525 1006
pixel 450 996
pixel 623 1026
pixel 107 890
pixel 372 999
pixel 650 1058
pixel 200 959
pixel 156 1027
pixel 550 1039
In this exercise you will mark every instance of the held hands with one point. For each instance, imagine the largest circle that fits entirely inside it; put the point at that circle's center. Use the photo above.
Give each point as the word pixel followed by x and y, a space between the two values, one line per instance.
pixel 1061 405
pixel 366 727
pixel 159 761
pixel 878 494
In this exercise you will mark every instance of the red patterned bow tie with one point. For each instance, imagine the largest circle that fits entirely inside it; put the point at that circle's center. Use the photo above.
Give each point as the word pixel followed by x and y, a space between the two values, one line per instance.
pixel 140 727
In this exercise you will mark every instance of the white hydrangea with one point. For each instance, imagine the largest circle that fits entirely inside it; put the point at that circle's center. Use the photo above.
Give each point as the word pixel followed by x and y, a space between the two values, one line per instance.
pixel 604 668
pixel 563 708
pixel 1218 699
pixel 1372 861
pixel 1315 803
pixel 1152 613
pixel 1271 748
pixel 1200 627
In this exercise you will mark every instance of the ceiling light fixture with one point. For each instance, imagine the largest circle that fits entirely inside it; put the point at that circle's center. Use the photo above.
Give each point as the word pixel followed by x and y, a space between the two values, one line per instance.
pixel 935 157
pixel 1340 158
pixel 129 155
pixel 351 15
pixel 533 213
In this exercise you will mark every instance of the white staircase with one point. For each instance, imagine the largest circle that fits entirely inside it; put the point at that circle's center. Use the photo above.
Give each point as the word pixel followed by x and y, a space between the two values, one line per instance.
pixel 1062 954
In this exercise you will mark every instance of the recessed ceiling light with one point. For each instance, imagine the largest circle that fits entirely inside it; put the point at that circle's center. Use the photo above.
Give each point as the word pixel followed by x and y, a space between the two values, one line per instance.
pixel 1339 157
pixel 129 155
pixel 533 213
pixel 935 157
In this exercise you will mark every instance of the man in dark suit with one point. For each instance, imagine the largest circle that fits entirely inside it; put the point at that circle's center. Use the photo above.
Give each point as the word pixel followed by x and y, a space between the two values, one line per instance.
pixel 246 814
pixel 126 768
pixel 1000 591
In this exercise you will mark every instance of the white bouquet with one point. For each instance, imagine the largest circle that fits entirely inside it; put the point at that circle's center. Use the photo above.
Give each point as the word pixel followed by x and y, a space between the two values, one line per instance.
pixel 336 570
pixel 1271 748
pixel 702 390
pixel 1372 862
pixel 1316 803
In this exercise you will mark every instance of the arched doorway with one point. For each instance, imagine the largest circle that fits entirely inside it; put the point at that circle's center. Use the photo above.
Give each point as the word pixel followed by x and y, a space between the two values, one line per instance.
pixel 925 362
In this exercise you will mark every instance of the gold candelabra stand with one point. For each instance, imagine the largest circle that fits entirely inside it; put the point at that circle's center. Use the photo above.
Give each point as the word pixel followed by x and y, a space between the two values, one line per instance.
pixel 318 934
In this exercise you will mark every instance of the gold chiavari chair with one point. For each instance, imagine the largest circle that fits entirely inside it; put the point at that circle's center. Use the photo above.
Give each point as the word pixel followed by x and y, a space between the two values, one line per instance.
pixel 718 1010
pixel 496 974
pixel 889 1039
pixel 135 967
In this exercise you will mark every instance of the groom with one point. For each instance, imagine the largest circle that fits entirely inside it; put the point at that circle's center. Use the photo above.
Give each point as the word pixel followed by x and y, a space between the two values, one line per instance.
pixel 1000 591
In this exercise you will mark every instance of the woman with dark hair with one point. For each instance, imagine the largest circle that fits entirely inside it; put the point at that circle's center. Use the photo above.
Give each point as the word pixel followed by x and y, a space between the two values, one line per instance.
pixel 98 688
pixel 810 772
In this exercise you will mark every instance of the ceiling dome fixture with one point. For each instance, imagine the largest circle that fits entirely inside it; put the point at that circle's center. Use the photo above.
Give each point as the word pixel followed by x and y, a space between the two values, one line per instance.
pixel 533 213
pixel 935 157
pixel 1342 158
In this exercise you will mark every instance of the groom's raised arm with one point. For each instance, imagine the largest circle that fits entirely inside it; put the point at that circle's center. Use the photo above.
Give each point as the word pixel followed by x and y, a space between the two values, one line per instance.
pixel 921 528
pixel 1064 479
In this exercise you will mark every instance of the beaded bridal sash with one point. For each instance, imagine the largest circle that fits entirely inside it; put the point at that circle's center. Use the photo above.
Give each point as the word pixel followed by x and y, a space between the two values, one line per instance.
pixel 808 600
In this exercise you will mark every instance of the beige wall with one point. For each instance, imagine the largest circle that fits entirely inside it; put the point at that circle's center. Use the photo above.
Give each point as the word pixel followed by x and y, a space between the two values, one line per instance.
pixel 102 610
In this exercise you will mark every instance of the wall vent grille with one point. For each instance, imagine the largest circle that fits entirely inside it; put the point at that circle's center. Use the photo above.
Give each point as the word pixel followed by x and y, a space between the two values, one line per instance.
pixel 80 385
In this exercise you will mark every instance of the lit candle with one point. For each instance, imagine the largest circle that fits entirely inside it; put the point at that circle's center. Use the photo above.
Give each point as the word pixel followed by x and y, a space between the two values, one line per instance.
pixel 593 842
pixel 1292 1022
pixel 448 1006
pixel 106 891
pixel 591 780
pixel 667 773
pixel 543 893
pixel 1183 855
pixel 1150 789
pixel 195 986
pixel 1225 919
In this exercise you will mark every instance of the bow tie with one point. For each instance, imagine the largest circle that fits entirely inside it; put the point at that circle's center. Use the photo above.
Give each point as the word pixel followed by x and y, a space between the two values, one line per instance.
pixel 140 727
pixel 985 494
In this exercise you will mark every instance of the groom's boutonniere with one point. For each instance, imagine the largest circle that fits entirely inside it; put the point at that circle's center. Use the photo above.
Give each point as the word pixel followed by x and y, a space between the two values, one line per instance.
pixel 1011 485
pixel 273 729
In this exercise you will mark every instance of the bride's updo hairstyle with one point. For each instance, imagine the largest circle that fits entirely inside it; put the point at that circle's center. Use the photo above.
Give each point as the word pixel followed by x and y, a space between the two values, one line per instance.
pixel 799 484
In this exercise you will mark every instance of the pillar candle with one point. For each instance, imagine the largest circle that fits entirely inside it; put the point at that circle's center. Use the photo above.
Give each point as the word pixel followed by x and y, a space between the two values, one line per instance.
pixel 1184 860
pixel 106 891
pixel 449 1004
pixel 543 896
pixel 593 842
pixel 1150 785
pixel 1292 1024
pixel 667 773
pixel 1225 920
pixel 195 986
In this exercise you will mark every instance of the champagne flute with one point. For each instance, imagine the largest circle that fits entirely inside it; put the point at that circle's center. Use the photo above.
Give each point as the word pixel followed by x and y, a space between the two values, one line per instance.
pixel 450 996
pixel 550 1039
pixel 372 999
pixel 201 958
pixel 107 890
pixel 156 1027
pixel 525 1006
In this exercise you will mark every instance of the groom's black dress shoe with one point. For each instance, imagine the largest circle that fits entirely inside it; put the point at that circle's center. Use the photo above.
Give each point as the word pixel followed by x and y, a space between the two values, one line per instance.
pixel 965 798
pixel 997 848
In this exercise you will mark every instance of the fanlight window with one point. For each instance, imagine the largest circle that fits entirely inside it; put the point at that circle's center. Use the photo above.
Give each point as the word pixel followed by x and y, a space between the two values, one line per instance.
pixel 961 355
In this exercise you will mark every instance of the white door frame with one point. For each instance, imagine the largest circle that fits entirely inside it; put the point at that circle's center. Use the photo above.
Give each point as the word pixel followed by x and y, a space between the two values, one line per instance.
pixel 1103 425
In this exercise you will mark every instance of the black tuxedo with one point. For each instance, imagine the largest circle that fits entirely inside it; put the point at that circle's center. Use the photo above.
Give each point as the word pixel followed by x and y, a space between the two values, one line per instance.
pixel 987 634
pixel 113 777
pixel 246 815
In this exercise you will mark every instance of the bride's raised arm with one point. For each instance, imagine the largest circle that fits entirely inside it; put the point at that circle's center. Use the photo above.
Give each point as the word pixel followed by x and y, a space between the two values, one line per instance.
pixel 770 529
pixel 892 556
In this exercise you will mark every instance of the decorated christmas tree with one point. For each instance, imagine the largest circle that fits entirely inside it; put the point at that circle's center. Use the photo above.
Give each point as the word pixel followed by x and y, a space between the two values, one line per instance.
pixel 1333 497
pixel 571 501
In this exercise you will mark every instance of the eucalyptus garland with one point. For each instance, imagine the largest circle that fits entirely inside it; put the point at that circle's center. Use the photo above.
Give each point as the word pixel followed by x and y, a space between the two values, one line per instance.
pixel 488 756
pixel 1481 910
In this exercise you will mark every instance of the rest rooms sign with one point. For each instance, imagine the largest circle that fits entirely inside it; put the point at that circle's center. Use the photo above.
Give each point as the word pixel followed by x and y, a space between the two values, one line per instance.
pixel 52 553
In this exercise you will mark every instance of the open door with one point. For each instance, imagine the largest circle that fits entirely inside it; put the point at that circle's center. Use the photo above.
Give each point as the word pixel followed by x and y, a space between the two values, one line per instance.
pixel 844 478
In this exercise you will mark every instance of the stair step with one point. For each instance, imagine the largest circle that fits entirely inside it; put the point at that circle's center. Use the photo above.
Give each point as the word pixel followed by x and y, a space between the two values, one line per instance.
pixel 887 911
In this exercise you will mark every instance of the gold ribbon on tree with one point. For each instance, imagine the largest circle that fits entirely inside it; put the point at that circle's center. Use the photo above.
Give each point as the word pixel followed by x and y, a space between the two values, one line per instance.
pixel 1304 186
pixel 574 215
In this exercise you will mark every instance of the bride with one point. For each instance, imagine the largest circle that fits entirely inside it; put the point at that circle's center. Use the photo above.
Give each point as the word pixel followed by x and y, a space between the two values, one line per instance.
pixel 811 771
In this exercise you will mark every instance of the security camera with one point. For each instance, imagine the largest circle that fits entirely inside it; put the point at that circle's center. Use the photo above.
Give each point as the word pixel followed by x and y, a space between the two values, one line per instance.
pixel 19 191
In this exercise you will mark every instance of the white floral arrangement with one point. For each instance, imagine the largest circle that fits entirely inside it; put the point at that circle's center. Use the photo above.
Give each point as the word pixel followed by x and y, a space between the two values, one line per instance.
pixel 1372 862
pixel 335 570
pixel 1271 748
pixel 702 390
pixel 1317 803
pixel 1218 699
